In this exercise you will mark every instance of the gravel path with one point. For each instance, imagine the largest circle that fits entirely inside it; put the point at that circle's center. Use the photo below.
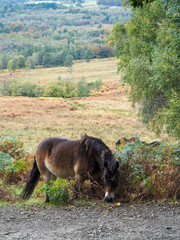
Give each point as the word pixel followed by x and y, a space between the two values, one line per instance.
pixel 150 221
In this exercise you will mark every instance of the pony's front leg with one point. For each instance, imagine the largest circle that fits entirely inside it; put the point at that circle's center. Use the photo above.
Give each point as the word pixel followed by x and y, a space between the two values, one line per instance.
pixel 76 189
pixel 79 180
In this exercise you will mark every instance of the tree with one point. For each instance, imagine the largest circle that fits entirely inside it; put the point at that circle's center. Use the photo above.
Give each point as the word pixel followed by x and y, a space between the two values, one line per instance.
pixel 7 30
pixel 16 27
pixel 4 61
pixel 1 27
pixel 12 65
pixel 138 3
pixel 148 51
pixel 46 60
pixel 30 63
pixel 21 61
pixel 68 61
pixel 36 58
pixel 88 55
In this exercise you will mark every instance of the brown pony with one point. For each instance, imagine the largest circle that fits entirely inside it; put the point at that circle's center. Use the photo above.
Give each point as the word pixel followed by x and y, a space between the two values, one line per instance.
pixel 123 141
pixel 85 158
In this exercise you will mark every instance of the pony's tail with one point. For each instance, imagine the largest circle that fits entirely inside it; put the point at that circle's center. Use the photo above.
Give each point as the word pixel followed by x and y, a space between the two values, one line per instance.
pixel 32 181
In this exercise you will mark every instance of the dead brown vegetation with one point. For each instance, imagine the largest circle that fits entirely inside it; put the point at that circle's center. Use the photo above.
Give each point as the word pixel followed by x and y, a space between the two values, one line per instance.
pixel 33 119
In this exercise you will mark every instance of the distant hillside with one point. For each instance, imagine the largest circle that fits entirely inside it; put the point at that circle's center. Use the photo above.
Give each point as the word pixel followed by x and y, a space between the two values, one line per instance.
pixel 110 2
pixel 44 33
pixel 5 2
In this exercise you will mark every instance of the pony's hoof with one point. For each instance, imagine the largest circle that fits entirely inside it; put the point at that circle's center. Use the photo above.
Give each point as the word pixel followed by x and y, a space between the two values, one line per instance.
pixel 75 196
pixel 47 199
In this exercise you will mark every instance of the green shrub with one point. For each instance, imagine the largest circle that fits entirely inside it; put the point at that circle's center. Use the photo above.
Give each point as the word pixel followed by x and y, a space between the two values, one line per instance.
pixel 95 85
pixel 26 89
pixel 12 147
pixel 83 89
pixel 14 160
pixel 23 89
pixel 149 172
pixel 6 163
pixel 62 88
pixel 53 90
pixel 57 191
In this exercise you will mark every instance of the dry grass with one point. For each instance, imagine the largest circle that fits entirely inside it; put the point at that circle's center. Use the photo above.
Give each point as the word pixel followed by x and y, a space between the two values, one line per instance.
pixel 107 115
pixel 104 69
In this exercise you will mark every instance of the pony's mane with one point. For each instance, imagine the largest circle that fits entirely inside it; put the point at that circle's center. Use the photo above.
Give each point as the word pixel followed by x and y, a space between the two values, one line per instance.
pixel 107 157
pixel 94 149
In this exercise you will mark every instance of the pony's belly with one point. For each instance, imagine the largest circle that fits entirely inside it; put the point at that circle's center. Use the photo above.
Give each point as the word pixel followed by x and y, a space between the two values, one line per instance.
pixel 59 171
pixel 65 173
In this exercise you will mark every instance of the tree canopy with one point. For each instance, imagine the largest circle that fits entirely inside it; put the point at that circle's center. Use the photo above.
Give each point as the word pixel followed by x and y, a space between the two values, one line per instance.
pixel 45 32
pixel 138 3
pixel 148 50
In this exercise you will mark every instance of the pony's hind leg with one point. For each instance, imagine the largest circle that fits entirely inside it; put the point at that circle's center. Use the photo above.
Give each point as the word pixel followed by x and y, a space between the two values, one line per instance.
pixel 47 178
pixel 52 178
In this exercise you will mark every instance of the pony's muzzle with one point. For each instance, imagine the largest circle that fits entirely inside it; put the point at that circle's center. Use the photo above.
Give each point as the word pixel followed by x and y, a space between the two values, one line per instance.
pixel 109 197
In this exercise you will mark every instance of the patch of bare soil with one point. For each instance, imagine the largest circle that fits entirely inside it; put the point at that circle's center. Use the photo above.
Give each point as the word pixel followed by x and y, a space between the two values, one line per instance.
pixel 150 221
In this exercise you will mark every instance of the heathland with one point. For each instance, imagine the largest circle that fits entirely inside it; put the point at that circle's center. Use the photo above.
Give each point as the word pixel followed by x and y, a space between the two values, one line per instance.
pixel 107 113
pixel 55 83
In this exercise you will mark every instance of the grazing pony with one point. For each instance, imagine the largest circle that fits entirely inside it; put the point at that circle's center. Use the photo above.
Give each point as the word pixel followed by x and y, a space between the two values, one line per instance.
pixel 86 158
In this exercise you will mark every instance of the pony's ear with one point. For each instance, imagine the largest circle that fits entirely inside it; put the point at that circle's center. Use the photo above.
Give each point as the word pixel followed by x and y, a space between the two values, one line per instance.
pixel 118 142
pixel 87 144
pixel 117 164
pixel 105 164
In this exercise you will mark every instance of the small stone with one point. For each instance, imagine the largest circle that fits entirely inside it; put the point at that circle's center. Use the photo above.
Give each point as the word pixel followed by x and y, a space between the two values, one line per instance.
pixel 169 228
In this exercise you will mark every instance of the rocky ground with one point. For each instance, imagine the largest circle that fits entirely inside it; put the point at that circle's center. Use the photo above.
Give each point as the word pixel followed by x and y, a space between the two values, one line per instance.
pixel 149 221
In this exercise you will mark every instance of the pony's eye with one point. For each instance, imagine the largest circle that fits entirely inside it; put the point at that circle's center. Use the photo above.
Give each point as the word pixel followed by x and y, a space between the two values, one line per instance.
pixel 106 177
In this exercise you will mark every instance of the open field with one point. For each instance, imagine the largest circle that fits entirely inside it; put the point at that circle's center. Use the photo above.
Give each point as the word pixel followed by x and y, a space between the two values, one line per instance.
pixel 107 115
pixel 104 69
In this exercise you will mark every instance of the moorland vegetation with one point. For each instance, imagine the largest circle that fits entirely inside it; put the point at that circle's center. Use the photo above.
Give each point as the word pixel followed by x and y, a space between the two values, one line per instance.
pixel 148 52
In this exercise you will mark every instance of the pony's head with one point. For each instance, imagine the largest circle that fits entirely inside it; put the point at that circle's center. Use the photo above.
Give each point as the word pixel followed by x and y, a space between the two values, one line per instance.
pixel 111 175
pixel 95 148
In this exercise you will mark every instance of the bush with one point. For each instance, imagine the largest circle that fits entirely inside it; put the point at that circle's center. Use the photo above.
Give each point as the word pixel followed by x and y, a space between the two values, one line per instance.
pixel 13 147
pixel 14 161
pixel 83 89
pixel 26 89
pixel 149 172
pixel 23 89
pixel 57 191
pixel 60 88
pixel 95 85
pixel 5 162
pixel 64 89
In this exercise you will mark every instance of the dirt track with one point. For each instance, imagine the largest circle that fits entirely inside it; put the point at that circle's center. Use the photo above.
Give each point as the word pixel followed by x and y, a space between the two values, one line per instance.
pixel 125 222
